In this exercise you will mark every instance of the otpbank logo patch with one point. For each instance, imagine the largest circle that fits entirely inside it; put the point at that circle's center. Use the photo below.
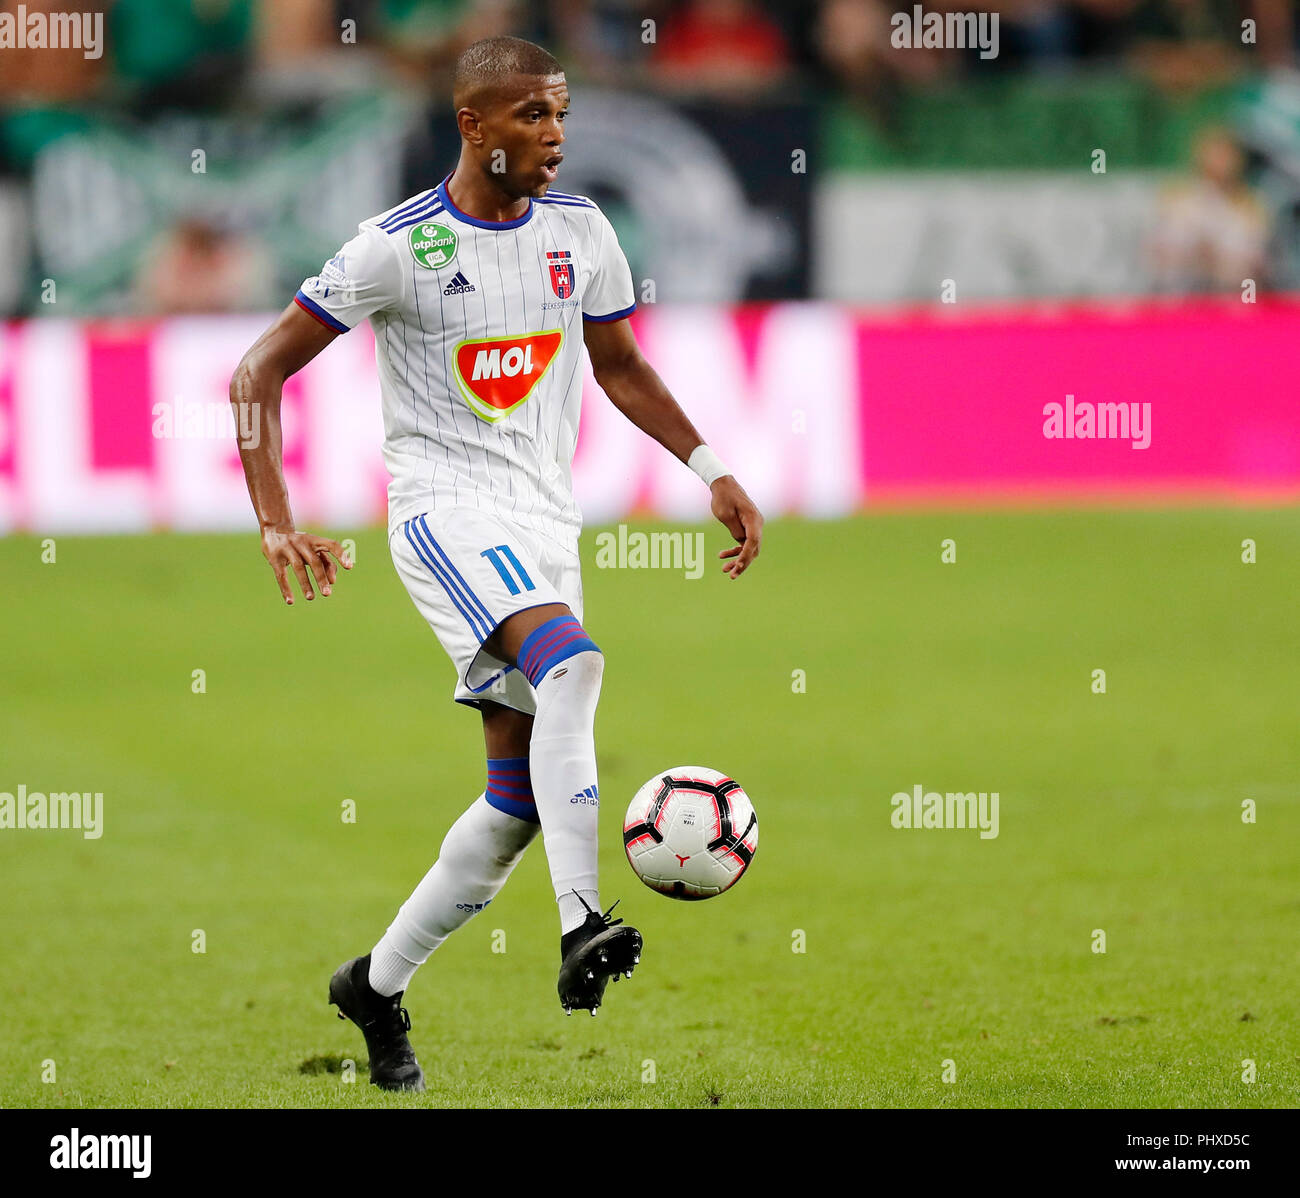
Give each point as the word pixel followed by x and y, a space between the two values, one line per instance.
pixel 433 246
pixel 497 374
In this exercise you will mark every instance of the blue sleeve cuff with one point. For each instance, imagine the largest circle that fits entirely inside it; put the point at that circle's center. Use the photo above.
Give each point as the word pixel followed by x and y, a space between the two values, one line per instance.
pixel 310 306
pixel 611 317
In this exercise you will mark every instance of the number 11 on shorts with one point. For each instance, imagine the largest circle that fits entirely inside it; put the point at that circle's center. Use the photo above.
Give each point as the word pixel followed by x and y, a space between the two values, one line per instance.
pixel 495 555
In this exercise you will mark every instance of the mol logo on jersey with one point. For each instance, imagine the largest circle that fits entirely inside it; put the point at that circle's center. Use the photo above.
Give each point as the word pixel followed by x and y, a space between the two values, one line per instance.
pixel 496 374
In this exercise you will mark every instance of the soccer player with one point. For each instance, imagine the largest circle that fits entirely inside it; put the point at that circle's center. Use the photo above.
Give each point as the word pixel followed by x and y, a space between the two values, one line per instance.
pixel 481 293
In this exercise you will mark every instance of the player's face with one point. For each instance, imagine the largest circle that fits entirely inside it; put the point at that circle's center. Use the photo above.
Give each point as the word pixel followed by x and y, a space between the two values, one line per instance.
pixel 528 125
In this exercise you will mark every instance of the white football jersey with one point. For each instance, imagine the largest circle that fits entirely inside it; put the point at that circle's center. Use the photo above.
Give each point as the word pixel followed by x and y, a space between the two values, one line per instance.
pixel 478 331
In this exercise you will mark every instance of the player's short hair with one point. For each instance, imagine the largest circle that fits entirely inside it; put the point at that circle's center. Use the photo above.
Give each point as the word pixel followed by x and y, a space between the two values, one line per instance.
pixel 487 64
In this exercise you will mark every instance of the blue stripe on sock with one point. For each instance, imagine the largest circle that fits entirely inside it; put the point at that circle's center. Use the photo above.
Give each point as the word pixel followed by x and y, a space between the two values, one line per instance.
pixel 501 793
pixel 555 641
pixel 524 811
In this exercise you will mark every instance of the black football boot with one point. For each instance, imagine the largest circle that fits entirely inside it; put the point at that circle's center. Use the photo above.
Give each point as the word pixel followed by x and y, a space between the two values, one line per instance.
pixel 384 1023
pixel 592 954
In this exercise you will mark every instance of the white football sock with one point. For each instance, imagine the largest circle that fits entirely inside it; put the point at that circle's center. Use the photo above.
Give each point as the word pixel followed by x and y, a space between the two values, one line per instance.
pixel 477 855
pixel 572 912
pixel 562 760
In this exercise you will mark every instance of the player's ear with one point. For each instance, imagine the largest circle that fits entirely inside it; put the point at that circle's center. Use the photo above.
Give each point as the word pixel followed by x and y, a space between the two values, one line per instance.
pixel 470 125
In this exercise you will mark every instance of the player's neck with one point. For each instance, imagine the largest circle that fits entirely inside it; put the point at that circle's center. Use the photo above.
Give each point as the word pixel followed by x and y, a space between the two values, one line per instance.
pixel 478 196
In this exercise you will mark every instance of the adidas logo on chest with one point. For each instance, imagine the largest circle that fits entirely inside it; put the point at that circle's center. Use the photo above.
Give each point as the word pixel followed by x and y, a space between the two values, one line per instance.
pixel 459 285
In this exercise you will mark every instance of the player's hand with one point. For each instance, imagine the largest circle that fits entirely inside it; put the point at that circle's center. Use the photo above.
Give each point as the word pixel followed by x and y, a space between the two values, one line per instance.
pixel 743 520
pixel 307 556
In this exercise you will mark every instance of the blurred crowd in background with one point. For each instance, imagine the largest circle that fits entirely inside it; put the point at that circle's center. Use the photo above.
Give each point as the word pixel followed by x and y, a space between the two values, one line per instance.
pixel 204 53
pixel 220 147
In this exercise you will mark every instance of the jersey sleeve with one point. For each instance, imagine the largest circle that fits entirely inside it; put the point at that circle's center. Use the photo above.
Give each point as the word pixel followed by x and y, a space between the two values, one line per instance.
pixel 362 278
pixel 609 294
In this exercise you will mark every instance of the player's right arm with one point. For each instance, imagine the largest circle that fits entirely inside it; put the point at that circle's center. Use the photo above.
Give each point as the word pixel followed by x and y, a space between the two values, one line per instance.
pixel 361 279
pixel 255 392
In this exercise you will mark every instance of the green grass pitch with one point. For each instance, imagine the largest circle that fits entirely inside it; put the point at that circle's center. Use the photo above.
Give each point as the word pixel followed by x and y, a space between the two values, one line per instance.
pixel 1119 811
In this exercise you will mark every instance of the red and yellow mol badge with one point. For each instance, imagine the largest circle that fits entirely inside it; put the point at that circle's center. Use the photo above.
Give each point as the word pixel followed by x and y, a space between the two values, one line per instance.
pixel 496 374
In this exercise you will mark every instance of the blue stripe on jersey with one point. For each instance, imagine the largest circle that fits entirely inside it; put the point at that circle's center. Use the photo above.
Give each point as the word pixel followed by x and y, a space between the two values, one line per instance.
pixel 565 203
pixel 474 599
pixel 452 210
pixel 611 316
pixel 423 214
pixel 423 198
pixel 563 195
pixel 305 301
pixel 480 633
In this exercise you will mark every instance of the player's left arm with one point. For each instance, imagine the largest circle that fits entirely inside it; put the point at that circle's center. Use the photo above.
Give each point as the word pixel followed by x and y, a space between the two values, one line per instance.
pixel 637 391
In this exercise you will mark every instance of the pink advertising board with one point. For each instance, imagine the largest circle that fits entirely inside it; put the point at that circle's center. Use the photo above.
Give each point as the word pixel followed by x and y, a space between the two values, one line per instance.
pixel 960 405
pixel 124 426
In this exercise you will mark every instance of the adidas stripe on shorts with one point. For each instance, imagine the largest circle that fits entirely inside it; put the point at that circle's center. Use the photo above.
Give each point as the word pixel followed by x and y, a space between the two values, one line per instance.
pixel 467 571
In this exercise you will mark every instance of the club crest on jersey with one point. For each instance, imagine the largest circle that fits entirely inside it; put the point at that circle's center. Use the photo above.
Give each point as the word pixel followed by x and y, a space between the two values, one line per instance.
pixel 497 374
pixel 433 246
pixel 562 277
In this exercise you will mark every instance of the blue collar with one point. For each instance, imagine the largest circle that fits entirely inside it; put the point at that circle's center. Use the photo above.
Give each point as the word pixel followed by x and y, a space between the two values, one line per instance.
pixel 452 210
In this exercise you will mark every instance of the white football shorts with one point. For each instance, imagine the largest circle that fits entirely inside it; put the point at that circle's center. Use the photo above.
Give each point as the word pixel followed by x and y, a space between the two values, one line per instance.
pixel 467 571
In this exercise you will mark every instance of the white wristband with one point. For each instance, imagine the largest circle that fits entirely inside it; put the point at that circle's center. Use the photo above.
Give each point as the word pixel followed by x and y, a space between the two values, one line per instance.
pixel 706 464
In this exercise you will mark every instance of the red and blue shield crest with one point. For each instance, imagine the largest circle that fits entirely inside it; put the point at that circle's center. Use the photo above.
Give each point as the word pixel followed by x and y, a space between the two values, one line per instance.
pixel 562 278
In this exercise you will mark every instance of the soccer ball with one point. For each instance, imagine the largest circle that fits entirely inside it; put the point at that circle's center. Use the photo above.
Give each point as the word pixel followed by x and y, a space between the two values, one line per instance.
pixel 690 832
